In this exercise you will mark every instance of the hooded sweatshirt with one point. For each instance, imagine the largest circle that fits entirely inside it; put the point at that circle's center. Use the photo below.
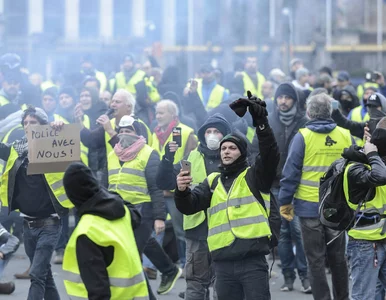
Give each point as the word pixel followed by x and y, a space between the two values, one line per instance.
pixel 84 191
pixel 167 173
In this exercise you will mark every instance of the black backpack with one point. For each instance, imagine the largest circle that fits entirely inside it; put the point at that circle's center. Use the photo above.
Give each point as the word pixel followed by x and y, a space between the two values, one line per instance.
pixel 334 212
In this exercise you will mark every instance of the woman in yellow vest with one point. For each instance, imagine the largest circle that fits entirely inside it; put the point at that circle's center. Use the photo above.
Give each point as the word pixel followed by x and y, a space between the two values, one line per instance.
pixel 132 168
pixel 101 260
pixel 365 179
pixel 241 215
pixel 41 200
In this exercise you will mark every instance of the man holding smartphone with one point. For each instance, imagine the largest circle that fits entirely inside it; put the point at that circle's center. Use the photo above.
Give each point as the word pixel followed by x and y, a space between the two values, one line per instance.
pixel 203 161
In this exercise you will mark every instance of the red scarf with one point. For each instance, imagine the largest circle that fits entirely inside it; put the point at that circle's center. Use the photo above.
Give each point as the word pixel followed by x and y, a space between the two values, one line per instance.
pixel 163 135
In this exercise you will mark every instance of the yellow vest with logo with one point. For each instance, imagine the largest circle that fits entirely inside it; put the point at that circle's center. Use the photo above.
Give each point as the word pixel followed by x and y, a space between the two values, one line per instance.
pixel 377 204
pixel 236 214
pixel 186 131
pixel 321 150
pixel 121 83
pixel 254 87
pixel 198 173
pixel 113 126
pixel 125 272
pixel 54 180
pixel 215 97
pixel 83 148
pixel 129 180
pixel 356 116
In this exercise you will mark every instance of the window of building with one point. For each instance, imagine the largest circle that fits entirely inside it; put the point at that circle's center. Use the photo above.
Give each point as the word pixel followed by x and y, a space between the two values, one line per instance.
pixel 122 18
pixel 89 18
pixel 16 16
pixel 54 17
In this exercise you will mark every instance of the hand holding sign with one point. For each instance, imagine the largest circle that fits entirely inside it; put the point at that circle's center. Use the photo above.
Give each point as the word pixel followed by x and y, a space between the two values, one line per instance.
pixel 52 149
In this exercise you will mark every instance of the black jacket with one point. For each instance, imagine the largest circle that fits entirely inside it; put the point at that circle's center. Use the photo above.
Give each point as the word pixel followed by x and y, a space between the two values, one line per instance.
pixel 5 151
pixel 259 177
pixel 90 198
pixel 361 178
pixel 283 134
pixel 356 128
pixel 8 243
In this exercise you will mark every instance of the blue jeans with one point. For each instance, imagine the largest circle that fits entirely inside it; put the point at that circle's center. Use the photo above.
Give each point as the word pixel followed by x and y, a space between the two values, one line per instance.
pixel 145 260
pixel 3 264
pixel 177 221
pixel 63 239
pixel 39 245
pixel 363 272
pixel 291 232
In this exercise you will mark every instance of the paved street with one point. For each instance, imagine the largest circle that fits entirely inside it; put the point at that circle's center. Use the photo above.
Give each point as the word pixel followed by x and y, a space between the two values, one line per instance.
pixel 20 262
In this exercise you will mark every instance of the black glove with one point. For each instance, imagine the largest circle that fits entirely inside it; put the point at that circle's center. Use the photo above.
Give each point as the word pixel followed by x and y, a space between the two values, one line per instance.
pixel 169 155
pixel 258 111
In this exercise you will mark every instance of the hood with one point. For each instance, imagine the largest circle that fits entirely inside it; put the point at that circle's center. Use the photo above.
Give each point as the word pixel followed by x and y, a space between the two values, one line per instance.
pixel 84 191
pixel 94 94
pixel 383 101
pixel 321 126
pixel 355 153
pixel 217 121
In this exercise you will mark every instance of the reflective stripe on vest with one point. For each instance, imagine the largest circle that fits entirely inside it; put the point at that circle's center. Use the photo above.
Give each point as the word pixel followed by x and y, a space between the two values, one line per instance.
pixel 321 150
pixel 215 97
pixel 129 180
pixel 186 131
pixel 377 204
pixel 54 180
pixel 125 272
pixel 198 173
pixel 236 214
pixel 255 88
pixel 121 83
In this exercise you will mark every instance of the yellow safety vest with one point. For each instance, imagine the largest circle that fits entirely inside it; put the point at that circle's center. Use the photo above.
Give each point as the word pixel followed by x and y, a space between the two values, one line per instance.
pixel 236 214
pixel 321 150
pixel 361 88
pixel 102 80
pixel 215 97
pixel 356 116
pixel 5 141
pixel 198 173
pixel 255 88
pixel 83 148
pixel 5 101
pixel 250 134
pixel 120 81
pixel 54 180
pixel 370 232
pixel 113 125
pixel 125 273
pixel 186 131
pixel 152 91
pixel 129 180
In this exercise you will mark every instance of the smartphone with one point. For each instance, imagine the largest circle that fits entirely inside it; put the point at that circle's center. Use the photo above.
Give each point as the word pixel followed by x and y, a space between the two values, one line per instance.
pixel 186 165
pixel 177 135
pixel 335 104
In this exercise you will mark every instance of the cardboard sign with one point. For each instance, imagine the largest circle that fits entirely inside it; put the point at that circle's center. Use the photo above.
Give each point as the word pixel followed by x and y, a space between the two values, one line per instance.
pixel 50 150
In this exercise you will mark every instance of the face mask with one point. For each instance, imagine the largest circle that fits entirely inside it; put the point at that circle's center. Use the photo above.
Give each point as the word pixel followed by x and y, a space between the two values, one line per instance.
pixel 126 140
pixel 212 141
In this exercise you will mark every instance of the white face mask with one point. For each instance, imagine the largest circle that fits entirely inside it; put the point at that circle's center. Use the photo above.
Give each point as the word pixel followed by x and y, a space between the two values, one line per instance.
pixel 212 141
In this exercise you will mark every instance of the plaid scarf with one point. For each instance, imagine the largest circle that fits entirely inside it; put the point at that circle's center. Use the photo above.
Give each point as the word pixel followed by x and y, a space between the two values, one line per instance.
pixel 21 147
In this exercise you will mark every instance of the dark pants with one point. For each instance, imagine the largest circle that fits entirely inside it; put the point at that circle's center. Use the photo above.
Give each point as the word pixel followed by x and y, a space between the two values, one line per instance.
pixel 315 239
pixel 246 279
pixel 39 245
pixel 63 238
pixel 199 270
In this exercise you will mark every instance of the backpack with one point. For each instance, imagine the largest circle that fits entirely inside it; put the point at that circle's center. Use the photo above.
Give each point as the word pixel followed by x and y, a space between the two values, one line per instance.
pixel 334 212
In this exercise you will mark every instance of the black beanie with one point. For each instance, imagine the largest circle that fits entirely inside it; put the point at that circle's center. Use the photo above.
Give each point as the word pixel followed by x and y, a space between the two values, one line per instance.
pixel 287 89
pixel 239 141
pixel 69 91
pixel 52 91
pixel 80 184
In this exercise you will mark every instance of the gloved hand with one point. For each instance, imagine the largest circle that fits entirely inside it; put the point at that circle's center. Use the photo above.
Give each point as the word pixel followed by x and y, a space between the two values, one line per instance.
pixel 258 111
pixel 169 155
pixel 287 212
